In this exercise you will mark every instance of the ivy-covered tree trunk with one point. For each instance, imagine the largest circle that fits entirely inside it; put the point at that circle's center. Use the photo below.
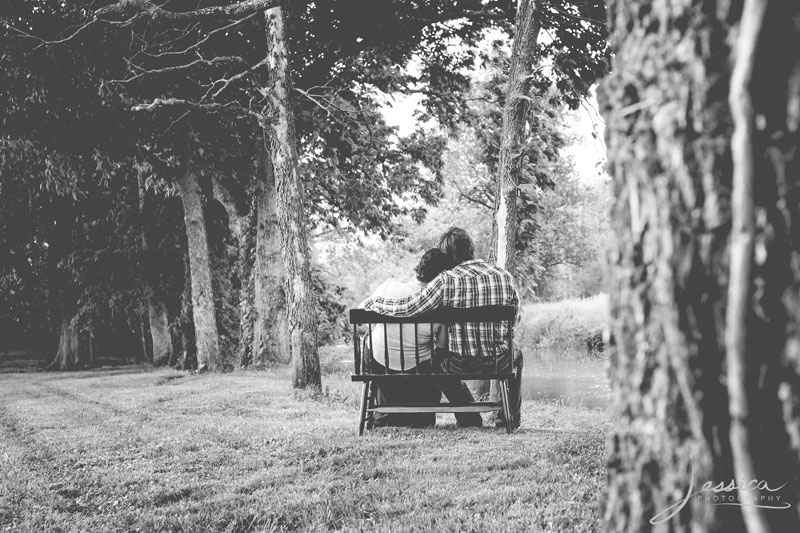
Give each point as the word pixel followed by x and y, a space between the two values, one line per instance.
pixel 702 111
pixel 247 293
pixel 512 137
pixel 203 314
pixel 282 148
pixel 270 323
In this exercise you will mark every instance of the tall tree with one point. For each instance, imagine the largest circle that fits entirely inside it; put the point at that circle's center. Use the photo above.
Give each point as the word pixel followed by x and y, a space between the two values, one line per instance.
pixel 703 134
pixel 270 322
pixel 512 137
pixel 203 312
pixel 562 66
pixel 282 142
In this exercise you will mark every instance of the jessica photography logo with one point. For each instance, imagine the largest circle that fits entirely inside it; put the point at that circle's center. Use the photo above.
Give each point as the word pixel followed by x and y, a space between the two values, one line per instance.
pixel 744 492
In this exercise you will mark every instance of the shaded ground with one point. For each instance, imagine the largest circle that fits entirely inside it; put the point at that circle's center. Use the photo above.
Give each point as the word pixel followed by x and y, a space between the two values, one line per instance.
pixel 130 449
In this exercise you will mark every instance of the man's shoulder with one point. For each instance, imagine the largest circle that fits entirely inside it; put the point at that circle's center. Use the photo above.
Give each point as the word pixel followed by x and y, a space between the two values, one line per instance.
pixel 479 267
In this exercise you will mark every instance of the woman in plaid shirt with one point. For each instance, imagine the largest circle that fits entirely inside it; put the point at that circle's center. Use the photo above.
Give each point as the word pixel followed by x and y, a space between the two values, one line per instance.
pixel 472 283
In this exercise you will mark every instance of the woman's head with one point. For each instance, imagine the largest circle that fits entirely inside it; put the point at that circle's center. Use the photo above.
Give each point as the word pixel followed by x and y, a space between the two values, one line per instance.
pixel 431 264
pixel 457 243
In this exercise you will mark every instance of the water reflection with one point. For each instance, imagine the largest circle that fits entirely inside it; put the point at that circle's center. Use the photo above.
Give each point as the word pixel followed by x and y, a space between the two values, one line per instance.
pixel 571 377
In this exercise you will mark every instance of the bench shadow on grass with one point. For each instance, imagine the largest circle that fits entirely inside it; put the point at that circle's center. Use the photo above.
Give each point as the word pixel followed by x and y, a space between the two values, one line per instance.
pixel 486 429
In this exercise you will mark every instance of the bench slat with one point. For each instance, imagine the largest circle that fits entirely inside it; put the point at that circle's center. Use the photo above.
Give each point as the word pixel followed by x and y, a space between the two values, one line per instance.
pixel 432 377
pixel 477 407
pixel 445 315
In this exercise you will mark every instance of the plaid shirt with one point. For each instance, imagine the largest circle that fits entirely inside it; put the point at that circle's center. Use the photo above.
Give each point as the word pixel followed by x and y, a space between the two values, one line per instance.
pixel 473 283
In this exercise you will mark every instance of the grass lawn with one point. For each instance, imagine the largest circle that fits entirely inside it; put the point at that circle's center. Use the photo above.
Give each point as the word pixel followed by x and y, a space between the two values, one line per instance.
pixel 134 449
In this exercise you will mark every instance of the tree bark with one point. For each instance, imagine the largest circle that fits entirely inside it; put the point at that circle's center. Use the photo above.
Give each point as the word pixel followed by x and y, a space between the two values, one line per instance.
pixel 270 321
pixel 145 353
pixel 159 331
pixel 689 407
pixel 512 137
pixel 69 355
pixel 203 314
pixel 247 293
pixel 282 148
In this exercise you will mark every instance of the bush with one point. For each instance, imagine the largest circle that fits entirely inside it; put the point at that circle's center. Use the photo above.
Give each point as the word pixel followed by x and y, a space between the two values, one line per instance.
pixel 566 324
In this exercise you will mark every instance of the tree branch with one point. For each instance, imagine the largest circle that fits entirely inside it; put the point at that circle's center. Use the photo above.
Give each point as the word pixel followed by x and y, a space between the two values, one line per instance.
pixel 178 68
pixel 598 23
pixel 206 38
pixel 466 14
pixel 473 199
pixel 227 81
pixel 158 14
pixel 178 103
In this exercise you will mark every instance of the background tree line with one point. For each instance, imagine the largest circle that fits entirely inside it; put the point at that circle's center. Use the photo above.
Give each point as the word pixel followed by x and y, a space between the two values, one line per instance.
pixel 163 165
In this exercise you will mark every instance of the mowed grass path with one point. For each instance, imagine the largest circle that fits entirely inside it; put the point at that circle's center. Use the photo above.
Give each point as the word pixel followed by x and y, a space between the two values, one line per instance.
pixel 133 449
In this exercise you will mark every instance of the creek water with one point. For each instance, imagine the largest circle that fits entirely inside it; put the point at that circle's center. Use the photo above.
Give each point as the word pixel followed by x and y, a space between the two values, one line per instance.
pixel 568 376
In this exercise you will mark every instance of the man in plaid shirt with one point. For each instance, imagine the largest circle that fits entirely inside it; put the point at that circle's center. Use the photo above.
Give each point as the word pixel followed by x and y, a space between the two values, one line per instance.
pixel 472 283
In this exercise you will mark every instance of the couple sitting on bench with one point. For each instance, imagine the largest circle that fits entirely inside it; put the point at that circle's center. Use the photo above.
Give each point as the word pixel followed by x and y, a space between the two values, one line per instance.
pixel 449 276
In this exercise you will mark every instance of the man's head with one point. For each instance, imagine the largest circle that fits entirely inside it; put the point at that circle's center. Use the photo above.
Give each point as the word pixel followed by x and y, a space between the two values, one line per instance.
pixel 457 243
pixel 432 263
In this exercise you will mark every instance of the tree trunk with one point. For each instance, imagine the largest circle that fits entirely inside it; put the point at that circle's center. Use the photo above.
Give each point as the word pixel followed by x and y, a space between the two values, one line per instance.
pixel 158 319
pixel 145 353
pixel 69 355
pixel 281 139
pixel 246 295
pixel 512 137
pixel 706 344
pixel 92 348
pixel 159 331
pixel 270 323
pixel 205 323
pixel 185 358
pixel 512 141
pixel 234 297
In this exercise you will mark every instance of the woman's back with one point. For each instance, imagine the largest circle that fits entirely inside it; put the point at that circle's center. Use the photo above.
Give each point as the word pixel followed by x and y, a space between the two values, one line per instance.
pixel 421 339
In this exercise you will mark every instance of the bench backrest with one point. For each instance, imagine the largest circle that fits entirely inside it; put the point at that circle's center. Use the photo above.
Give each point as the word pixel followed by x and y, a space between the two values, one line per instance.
pixel 445 316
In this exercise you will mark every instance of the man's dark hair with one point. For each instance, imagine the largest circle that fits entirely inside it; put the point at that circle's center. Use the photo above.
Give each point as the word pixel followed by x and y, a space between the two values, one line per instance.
pixel 431 264
pixel 457 243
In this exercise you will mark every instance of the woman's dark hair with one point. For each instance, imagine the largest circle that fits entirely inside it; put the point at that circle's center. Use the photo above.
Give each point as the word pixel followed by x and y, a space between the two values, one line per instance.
pixel 431 264
pixel 457 243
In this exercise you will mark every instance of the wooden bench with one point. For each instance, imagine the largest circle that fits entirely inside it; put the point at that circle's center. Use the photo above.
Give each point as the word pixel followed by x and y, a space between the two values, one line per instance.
pixel 446 316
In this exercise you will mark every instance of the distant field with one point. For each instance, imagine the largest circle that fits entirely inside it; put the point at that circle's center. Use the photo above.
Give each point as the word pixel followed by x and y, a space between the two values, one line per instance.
pixel 132 449
pixel 565 324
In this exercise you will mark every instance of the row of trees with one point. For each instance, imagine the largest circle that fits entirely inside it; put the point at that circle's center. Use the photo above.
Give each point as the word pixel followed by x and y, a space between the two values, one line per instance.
pixel 163 164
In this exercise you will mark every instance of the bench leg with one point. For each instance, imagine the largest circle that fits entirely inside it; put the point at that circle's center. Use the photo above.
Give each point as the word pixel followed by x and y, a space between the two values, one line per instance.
pixel 363 410
pixel 370 405
pixel 503 384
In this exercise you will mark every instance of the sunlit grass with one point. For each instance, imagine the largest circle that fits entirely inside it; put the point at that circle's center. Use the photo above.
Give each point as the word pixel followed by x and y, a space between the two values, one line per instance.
pixel 139 450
